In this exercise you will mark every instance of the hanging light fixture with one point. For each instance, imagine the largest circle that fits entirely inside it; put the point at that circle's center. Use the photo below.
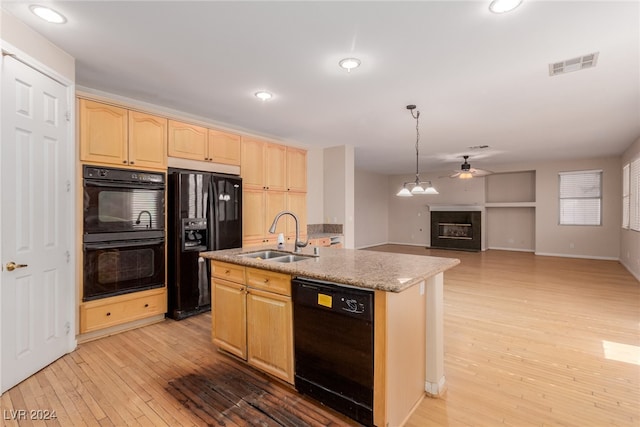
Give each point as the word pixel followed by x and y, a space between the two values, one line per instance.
pixel 419 187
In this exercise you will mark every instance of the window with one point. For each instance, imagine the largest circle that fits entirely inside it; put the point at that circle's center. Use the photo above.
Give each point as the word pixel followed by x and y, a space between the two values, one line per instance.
pixel 634 195
pixel 581 198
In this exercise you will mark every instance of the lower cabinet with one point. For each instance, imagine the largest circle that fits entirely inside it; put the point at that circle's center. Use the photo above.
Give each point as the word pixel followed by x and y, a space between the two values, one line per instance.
pixel 252 317
pixel 107 312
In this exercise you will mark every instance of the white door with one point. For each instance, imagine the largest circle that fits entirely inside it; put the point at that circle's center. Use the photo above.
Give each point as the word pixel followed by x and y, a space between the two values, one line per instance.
pixel 36 282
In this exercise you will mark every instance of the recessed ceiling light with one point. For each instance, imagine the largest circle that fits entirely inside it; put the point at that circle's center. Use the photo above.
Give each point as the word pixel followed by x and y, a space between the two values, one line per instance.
pixel 502 6
pixel 48 14
pixel 349 63
pixel 264 95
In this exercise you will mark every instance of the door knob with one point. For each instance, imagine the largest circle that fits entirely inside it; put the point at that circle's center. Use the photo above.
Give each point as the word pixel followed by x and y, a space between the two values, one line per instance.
pixel 12 266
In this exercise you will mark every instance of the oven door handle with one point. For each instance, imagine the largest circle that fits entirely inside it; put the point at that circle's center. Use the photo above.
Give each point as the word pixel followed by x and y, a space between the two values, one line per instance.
pixel 141 186
pixel 123 244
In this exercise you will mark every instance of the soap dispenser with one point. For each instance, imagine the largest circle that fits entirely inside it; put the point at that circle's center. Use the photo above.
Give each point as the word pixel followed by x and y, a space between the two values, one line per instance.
pixel 280 241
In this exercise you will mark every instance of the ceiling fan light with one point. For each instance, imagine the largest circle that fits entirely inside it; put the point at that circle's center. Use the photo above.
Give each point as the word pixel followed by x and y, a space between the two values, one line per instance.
pixel 465 175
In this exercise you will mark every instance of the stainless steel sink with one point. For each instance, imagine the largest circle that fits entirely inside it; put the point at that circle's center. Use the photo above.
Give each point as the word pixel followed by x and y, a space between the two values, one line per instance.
pixel 268 254
pixel 275 256
pixel 290 258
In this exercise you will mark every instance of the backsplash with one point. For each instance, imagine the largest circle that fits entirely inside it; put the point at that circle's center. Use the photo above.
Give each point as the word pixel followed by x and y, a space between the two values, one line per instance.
pixel 324 228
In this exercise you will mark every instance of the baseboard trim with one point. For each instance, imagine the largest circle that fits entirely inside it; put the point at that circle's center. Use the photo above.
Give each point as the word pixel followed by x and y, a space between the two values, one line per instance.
pixel 511 249
pixel 604 258
pixel 630 270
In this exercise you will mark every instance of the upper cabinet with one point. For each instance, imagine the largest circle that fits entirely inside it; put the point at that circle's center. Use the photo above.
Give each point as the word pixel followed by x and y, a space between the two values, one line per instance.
pixel 115 135
pixel 147 140
pixel 296 170
pixel 269 166
pixel 194 142
pixel 224 147
pixel 188 141
pixel 263 165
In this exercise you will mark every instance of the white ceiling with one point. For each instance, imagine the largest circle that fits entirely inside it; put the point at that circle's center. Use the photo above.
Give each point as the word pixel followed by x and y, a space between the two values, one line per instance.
pixel 476 77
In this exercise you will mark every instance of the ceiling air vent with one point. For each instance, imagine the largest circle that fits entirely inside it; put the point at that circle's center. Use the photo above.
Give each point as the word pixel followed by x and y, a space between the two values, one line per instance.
pixel 574 64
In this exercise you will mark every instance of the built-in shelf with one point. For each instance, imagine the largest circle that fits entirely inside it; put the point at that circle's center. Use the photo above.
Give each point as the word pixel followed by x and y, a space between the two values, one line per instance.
pixel 510 188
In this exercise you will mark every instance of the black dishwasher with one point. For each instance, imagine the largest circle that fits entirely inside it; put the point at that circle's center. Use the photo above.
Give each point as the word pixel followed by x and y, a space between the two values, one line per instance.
pixel 333 335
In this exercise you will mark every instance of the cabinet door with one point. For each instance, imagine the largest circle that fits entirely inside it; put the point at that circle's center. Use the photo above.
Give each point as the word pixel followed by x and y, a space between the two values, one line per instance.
pixel 270 333
pixel 228 317
pixel 296 203
pixel 224 147
pixel 275 202
pixel 103 133
pixel 275 167
pixel 296 170
pixel 187 141
pixel 147 140
pixel 253 216
pixel 251 163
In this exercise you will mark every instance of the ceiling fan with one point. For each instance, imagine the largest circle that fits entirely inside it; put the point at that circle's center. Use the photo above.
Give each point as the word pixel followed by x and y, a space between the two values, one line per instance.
pixel 466 171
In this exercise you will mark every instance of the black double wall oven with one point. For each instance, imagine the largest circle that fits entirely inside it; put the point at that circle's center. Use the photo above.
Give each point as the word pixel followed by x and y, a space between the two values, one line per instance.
pixel 123 231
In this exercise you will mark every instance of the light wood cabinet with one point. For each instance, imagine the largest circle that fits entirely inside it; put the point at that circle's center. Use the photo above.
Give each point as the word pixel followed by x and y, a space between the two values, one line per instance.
pixel 223 147
pixel 252 317
pixel 107 312
pixel 270 333
pixel 263 165
pixel 280 172
pixel 147 140
pixel 188 141
pixel 296 203
pixel 296 170
pixel 228 317
pixel 321 241
pixel 259 208
pixel 117 136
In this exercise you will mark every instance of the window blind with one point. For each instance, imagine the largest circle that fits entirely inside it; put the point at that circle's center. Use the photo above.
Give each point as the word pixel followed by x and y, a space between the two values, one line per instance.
pixel 626 198
pixel 581 198
pixel 634 195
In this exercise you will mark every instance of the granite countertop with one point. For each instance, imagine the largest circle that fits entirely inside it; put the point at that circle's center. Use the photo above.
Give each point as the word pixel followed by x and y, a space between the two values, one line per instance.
pixel 365 269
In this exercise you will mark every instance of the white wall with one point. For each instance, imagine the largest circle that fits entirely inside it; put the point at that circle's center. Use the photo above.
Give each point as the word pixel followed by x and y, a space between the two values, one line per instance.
pixel 372 215
pixel 629 239
pixel 19 35
pixel 339 193
pixel 578 241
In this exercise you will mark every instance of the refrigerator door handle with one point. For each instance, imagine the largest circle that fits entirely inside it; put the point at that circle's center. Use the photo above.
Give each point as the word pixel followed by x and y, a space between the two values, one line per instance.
pixel 213 213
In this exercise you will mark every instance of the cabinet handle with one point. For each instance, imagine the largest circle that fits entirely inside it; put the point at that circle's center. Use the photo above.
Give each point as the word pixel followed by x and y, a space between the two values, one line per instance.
pixel 227 272
pixel 132 163
pixel 146 305
pixel 108 313
pixel 266 280
pixel 124 161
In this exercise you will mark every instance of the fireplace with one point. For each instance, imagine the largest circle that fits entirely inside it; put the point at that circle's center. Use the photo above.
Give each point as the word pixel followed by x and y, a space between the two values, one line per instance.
pixel 456 230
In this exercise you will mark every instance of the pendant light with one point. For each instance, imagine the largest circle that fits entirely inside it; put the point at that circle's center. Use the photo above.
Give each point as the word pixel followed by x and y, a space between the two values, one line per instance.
pixel 418 187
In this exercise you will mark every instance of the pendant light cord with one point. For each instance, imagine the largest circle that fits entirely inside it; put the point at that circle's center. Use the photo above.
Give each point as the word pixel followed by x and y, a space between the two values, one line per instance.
pixel 417 117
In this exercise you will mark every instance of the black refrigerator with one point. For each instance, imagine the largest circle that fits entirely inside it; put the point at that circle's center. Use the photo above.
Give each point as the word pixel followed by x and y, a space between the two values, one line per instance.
pixel 204 214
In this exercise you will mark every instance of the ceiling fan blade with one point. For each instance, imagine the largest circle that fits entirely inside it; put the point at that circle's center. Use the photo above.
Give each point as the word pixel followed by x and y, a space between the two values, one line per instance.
pixel 481 172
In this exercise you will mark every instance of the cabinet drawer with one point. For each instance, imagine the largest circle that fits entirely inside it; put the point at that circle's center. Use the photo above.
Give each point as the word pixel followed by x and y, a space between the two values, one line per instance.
pixel 269 281
pixel 227 271
pixel 98 315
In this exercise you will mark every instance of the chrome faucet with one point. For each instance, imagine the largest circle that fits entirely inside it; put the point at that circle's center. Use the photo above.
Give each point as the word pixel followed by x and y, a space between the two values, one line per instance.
pixel 298 243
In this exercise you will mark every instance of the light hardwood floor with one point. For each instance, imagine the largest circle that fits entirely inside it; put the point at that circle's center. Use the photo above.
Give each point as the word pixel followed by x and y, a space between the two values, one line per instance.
pixel 528 341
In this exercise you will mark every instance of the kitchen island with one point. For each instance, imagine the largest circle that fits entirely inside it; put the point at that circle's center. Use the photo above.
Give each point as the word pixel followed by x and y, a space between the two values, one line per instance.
pixel 408 321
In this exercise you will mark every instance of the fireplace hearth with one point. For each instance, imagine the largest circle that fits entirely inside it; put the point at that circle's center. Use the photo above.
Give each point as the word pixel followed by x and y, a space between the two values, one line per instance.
pixel 459 230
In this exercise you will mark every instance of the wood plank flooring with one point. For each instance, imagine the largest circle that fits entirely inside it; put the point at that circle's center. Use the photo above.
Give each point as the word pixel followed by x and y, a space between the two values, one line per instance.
pixel 529 341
